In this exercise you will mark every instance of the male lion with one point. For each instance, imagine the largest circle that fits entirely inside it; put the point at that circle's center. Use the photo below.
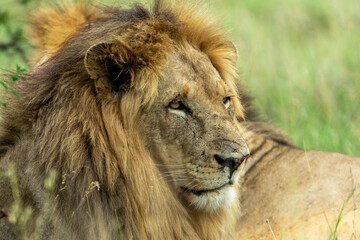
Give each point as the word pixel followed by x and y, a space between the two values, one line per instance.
pixel 135 110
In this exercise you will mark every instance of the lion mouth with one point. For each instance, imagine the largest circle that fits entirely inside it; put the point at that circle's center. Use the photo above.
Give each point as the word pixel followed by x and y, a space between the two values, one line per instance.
pixel 201 192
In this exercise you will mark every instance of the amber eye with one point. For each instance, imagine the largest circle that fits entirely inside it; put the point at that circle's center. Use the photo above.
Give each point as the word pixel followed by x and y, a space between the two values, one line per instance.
pixel 226 101
pixel 177 105
pixel 174 105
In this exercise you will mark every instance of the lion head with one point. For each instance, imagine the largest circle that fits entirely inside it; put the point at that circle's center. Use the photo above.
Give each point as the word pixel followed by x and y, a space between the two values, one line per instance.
pixel 143 102
pixel 188 118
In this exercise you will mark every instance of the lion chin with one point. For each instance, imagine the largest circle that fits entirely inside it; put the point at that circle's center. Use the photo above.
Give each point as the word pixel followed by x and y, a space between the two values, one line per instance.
pixel 211 200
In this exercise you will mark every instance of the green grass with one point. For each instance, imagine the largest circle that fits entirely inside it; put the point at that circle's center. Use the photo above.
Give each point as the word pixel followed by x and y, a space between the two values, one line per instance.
pixel 333 235
pixel 300 59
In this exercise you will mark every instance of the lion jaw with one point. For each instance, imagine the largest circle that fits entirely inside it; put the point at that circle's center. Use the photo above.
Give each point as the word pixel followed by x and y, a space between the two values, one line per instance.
pixel 213 200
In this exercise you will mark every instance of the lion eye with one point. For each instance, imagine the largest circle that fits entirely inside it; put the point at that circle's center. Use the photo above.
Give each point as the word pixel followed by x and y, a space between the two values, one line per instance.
pixel 226 101
pixel 174 105
pixel 177 105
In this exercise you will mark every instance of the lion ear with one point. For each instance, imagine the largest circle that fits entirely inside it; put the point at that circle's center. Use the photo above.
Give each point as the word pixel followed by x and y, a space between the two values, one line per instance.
pixel 112 63
pixel 236 52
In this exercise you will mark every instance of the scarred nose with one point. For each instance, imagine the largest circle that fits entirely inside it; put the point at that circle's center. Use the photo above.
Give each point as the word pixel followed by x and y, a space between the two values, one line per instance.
pixel 232 163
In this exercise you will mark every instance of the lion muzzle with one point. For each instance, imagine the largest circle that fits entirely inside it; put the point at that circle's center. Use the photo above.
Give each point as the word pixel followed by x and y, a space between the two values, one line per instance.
pixel 232 163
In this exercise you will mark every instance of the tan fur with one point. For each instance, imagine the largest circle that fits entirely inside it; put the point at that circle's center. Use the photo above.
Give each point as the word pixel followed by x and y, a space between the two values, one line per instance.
pixel 51 26
pixel 300 192
pixel 97 110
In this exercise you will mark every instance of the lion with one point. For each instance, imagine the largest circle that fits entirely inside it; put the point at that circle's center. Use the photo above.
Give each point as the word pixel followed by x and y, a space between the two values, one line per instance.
pixel 136 114
pixel 294 193
pixel 133 111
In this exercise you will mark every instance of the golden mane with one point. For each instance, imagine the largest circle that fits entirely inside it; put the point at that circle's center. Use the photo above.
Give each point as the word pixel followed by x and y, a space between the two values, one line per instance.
pixel 66 122
pixel 53 28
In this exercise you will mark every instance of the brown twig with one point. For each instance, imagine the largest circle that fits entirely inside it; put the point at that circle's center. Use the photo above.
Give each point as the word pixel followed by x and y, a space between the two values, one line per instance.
pixel 14 45
pixel 3 213
pixel 5 46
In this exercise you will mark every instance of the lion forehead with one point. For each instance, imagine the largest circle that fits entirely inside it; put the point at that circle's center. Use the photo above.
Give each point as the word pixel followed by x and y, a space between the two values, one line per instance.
pixel 193 75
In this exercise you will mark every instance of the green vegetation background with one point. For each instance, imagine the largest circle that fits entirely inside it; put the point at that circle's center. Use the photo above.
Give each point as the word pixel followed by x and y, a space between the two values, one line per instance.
pixel 300 59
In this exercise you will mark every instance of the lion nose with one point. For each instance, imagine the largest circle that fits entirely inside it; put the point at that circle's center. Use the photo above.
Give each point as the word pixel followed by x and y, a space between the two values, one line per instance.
pixel 232 163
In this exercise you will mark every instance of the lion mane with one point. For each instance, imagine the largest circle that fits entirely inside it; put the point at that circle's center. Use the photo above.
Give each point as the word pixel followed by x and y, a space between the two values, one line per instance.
pixel 106 183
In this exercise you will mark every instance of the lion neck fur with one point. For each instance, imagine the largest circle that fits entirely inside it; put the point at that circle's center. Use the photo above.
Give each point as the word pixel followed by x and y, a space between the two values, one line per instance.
pixel 83 155
pixel 262 138
pixel 97 151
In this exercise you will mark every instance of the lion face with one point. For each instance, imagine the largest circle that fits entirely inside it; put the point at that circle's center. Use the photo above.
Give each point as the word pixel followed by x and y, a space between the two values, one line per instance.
pixel 189 128
pixel 191 134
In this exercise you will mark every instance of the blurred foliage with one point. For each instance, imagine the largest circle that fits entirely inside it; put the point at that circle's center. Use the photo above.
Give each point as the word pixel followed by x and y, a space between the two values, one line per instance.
pixel 8 87
pixel 300 59
pixel 12 41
